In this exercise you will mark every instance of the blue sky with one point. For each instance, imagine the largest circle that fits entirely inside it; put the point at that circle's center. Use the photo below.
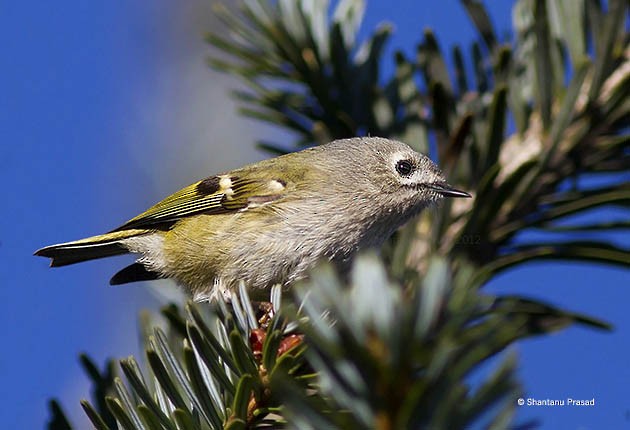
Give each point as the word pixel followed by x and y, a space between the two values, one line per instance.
pixel 106 108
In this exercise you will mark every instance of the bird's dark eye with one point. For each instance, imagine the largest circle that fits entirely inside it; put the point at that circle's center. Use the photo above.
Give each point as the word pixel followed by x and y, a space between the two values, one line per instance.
pixel 404 167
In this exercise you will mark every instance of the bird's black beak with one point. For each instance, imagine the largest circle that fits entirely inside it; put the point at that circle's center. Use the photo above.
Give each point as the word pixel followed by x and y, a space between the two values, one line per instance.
pixel 446 190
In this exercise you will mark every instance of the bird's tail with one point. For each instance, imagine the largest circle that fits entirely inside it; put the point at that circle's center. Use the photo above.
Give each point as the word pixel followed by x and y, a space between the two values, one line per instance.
pixel 104 245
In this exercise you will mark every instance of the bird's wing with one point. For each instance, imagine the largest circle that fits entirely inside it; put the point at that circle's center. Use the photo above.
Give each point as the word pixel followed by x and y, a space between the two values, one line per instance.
pixel 213 195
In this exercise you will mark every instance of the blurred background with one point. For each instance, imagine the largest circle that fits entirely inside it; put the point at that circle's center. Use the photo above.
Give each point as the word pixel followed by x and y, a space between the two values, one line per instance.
pixel 106 108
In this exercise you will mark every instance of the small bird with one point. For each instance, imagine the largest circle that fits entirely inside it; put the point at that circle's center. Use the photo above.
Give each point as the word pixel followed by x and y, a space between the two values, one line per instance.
pixel 269 222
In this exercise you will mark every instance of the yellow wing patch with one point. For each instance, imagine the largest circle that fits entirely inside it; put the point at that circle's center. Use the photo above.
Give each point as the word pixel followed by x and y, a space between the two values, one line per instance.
pixel 216 194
